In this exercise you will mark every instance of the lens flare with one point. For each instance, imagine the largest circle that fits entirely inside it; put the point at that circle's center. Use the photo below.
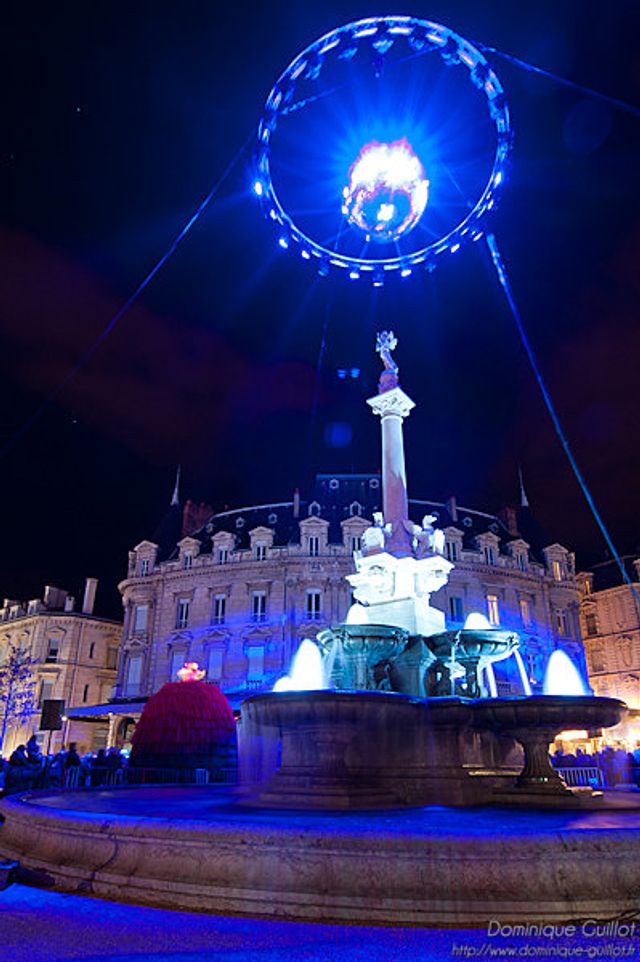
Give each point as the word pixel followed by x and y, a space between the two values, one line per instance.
pixel 387 191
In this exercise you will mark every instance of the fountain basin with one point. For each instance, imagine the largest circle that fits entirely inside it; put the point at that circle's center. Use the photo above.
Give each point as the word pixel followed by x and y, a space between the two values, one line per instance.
pixel 534 722
pixel 352 652
pixel 471 649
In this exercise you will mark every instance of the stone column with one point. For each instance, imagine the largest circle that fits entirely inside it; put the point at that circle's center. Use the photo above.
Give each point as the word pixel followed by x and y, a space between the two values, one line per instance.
pixel 393 407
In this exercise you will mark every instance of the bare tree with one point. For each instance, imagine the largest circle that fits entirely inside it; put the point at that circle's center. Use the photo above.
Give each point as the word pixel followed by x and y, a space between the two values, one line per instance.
pixel 17 689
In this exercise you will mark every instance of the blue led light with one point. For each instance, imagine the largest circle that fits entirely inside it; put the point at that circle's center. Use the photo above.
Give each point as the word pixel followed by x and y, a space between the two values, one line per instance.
pixel 406 272
pixel 354 275
pixel 284 243
pixel 258 188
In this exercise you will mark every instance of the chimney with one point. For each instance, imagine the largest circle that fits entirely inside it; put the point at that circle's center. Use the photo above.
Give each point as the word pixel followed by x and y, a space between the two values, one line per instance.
pixel 90 588
pixel 296 503
pixel 54 598
pixel 452 507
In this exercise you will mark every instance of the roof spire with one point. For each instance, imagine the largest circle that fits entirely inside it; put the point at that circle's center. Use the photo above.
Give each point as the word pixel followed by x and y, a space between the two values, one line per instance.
pixel 176 491
pixel 524 501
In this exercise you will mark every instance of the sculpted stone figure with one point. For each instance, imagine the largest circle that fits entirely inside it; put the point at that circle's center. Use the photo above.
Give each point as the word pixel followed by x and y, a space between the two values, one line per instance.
pixel 373 537
pixel 386 342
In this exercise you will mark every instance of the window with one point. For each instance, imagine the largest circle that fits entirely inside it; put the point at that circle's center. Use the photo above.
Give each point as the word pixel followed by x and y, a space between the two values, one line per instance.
pixel 112 657
pixel 493 610
pixel 355 509
pixel 591 623
pixel 255 670
pixel 140 617
pixel 92 649
pixel 489 553
pixel 356 543
pixel 259 606
pixel 597 660
pixel 314 545
pixel 219 609
pixel 522 560
pixel 456 608
pixel 134 674
pixel 223 554
pixel 452 550
pixel 557 570
pixel 178 658
pixel 144 567
pixel 261 552
pixel 187 560
pixel 182 612
pixel 85 694
pixel 562 622
pixel 46 691
pixel 525 612
pixel 214 664
pixel 53 649
pixel 314 605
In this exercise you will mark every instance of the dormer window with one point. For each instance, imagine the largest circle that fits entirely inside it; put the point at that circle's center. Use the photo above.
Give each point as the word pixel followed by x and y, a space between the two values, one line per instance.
pixel 314 545
pixel 187 560
pixel 314 510
pixel 261 552
pixel 490 554
pixel 558 570
pixel 452 550
pixel 355 509
pixel 223 554
pixel 144 567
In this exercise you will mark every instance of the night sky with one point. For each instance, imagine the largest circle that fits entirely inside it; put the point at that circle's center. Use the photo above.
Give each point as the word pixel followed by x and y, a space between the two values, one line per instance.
pixel 121 117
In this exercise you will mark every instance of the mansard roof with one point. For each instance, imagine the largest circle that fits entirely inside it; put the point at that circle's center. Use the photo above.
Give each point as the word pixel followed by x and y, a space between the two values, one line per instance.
pixel 336 497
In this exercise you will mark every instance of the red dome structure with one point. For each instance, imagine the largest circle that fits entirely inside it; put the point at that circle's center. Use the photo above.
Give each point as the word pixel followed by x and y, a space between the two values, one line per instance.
pixel 183 720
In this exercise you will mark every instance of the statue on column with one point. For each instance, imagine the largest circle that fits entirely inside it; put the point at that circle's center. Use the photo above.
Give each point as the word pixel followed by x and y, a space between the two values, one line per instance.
pixel 429 540
pixel 386 342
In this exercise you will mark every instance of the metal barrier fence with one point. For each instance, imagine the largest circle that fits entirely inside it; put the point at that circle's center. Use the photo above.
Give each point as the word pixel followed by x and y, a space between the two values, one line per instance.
pixel 587 777
pixel 104 778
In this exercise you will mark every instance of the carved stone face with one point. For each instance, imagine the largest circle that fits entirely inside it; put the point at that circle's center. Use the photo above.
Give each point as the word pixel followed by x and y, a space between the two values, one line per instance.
pixel 375 584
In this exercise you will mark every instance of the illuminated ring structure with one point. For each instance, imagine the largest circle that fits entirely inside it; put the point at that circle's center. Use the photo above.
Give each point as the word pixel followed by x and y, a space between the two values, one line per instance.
pixel 380 33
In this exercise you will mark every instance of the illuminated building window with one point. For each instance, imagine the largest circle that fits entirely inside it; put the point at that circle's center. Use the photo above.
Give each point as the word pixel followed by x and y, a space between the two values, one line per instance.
pixel 525 612
pixel 591 623
pixel 522 561
pixel 557 570
pixel 53 650
pixel 144 567
pixel 223 555
pixel 493 610
pixel 182 612
pixel 259 606
pixel 314 545
pixel 219 611
pixel 140 617
pixel 178 658
pixel 187 561
pixel 261 552
pixel 562 623
pixel 112 657
pixel 314 605
pixel 456 608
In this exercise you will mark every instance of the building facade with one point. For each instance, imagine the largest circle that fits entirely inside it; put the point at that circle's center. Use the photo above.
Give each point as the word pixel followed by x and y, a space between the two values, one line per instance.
pixel 73 657
pixel 610 621
pixel 240 592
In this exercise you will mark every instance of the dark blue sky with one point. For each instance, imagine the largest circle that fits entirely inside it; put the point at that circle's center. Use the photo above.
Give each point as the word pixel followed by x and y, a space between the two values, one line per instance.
pixel 121 117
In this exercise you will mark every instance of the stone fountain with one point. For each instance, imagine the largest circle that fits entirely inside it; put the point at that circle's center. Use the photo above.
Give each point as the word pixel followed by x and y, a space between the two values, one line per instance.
pixel 405 717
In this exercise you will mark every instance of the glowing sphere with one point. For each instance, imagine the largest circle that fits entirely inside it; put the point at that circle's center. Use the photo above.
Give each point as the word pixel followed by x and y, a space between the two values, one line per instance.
pixel 387 191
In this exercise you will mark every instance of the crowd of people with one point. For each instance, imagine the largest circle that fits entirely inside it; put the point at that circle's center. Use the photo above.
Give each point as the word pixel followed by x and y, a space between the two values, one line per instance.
pixel 28 769
pixel 618 766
